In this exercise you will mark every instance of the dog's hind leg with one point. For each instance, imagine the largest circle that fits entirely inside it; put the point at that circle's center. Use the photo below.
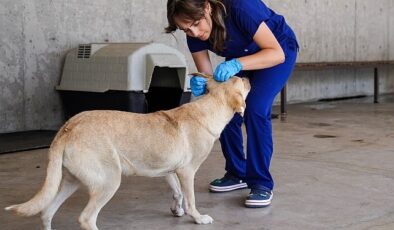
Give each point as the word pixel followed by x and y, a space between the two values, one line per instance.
pixel 100 194
pixel 176 207
pixel 186 179
pixel 68 186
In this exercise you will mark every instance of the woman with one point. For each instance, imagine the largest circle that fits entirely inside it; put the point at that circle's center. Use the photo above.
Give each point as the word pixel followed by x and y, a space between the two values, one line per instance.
pixel 257 43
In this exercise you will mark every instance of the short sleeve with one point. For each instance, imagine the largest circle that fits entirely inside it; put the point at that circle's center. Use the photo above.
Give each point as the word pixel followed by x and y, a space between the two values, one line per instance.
pixel 196 45
pixel 248 15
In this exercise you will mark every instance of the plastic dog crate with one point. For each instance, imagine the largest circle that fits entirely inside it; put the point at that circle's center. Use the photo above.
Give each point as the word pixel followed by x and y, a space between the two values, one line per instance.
pixel 134 77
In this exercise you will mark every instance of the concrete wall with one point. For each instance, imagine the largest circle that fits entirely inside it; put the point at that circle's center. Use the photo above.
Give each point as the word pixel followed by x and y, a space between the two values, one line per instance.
pixel 35 36
pixel 340 30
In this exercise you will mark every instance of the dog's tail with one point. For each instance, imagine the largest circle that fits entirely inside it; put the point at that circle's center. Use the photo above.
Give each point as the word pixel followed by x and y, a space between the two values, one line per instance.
pixel 52 181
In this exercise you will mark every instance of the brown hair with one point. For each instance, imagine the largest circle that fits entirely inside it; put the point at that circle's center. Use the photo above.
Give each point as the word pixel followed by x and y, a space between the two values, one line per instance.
pixel 195 10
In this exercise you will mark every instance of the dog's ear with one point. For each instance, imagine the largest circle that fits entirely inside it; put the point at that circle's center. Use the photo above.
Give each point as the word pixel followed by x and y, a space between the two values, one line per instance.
pixel 237 102
pixel 211 84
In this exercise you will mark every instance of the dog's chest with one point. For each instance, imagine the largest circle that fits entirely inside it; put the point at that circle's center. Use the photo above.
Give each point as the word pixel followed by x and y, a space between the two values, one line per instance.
pixel 153 164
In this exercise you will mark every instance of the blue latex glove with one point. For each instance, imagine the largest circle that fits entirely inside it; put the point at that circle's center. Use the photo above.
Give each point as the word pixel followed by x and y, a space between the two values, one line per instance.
pixel 198 85
pixel 226 70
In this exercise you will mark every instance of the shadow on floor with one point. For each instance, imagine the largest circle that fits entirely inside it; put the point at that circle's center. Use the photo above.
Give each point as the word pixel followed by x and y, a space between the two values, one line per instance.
pixel 22 141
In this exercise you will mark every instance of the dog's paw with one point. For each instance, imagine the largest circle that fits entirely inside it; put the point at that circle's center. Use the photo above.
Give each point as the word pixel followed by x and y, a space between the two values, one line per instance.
pixel 204 219
pixel 178 212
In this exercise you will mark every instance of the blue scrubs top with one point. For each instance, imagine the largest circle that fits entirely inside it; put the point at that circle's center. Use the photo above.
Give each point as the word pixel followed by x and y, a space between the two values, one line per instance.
pixel 242 21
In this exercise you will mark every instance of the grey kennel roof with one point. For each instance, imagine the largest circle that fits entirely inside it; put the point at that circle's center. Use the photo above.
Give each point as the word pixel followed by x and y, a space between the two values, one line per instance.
pixel 100 67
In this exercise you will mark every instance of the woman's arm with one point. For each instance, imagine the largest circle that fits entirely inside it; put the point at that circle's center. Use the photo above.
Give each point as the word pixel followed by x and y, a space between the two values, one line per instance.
pixel 271 53
pixel 202 62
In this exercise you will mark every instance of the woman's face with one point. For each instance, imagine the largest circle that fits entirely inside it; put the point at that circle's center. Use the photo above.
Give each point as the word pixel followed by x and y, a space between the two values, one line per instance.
pixel 200 29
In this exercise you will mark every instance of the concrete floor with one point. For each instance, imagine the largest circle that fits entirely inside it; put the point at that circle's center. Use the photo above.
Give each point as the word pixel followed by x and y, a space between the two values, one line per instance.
pixel 342 182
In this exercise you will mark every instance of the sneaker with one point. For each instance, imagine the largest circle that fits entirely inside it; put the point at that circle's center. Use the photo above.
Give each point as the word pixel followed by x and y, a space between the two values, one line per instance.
pixel 258 198
pixel 226 184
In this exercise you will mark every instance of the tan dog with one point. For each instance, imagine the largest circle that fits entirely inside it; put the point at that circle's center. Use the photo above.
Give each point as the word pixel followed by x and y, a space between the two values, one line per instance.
pixel 95 148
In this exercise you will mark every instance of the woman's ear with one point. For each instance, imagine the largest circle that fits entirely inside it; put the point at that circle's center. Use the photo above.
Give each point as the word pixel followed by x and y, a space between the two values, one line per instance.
pixel 208 8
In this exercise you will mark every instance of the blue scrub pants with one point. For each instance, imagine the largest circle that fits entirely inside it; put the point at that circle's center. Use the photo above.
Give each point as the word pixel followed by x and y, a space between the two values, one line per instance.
pixel 265 85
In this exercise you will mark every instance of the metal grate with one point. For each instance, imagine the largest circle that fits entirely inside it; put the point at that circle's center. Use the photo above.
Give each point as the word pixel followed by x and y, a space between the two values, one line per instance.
pixel 84 51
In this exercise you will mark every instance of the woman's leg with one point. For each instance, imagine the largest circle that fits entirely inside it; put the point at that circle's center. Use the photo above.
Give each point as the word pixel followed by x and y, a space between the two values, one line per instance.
pixel 266 84
pixel 232 146
pixel 231 140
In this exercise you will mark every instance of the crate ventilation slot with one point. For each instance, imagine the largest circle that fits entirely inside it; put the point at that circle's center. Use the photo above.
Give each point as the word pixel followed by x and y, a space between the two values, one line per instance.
pixel 84 51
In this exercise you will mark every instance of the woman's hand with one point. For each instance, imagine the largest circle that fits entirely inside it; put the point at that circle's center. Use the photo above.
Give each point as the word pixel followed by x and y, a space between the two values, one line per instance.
pixel 227 69
pixel 198 85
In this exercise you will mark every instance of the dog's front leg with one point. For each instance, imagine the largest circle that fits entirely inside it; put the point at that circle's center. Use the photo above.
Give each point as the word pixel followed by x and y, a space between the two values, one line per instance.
pixel 176 207
pixel 186 179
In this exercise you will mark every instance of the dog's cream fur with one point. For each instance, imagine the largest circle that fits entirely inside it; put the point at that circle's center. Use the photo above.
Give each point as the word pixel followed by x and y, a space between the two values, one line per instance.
pixel 95 148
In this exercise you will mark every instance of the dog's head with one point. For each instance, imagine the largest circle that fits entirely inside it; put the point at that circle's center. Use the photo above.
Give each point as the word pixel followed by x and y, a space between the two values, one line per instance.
pixel 234 92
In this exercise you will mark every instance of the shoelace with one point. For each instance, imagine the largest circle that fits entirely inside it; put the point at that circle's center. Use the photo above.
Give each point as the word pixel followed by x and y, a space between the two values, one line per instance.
pixel 217 181
pixel 227 178
pixel 260 193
